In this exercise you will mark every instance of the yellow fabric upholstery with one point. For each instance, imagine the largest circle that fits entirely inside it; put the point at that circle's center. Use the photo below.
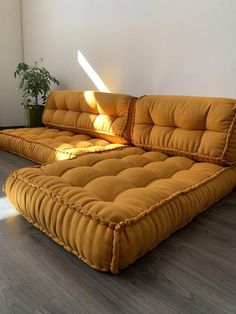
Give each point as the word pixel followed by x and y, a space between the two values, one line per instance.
pixel 110 208
pixel 196 127
pixel 77 122
pixel 98 114
pixel 44 145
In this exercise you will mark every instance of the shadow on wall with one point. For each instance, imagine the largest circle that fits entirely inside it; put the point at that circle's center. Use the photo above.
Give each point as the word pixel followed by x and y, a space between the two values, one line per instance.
pixel 92 74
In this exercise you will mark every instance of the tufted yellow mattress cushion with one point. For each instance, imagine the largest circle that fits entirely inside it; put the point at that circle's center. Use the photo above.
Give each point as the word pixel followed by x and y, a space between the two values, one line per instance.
pixel 44 145
pixel 103 115
pixel 201 128
pixel 111 208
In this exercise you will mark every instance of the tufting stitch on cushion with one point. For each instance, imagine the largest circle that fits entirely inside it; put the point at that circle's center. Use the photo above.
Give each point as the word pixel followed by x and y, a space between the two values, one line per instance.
pixel 98 114
pixel 44 145
pixel 201 128
pixel 152 195
pixel 77 122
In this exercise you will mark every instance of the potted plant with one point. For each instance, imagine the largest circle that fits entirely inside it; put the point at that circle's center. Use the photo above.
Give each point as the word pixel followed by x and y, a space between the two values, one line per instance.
pixel 35 82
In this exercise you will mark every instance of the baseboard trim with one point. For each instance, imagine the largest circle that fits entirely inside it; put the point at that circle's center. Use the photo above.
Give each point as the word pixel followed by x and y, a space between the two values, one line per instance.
pixel 12 127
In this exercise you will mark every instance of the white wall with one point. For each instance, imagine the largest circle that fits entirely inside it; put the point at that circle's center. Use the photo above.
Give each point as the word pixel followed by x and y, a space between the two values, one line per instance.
pixel 11 53
pixel 137 46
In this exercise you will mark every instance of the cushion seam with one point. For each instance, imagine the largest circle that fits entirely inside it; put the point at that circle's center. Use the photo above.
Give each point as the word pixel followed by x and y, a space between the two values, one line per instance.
pixel 129 221
pixel 115 250
pixel 80 128
pixel 228 137
pixel 61 200
pixel 48 147
pixel 200 141
pixel 133 121
pixel 194 187
pixel 127 116
pixel 184 153
pixel 34 142
pixel 95 114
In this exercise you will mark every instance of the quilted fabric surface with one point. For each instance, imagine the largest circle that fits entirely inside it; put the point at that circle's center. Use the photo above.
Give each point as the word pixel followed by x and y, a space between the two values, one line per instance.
pixel 152 195
pixel 44 145
pixel 196 127
pixel 103 115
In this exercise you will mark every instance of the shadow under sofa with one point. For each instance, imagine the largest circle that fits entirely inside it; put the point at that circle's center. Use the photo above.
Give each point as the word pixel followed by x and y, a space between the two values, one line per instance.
pixel 111 207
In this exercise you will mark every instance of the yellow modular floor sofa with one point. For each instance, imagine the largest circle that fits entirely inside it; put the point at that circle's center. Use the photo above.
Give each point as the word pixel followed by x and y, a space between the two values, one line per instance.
pixel 166 159
pixel 75 122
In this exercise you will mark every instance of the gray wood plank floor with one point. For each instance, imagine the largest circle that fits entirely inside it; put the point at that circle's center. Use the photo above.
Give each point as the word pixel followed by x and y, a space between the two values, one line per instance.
pixel 194 271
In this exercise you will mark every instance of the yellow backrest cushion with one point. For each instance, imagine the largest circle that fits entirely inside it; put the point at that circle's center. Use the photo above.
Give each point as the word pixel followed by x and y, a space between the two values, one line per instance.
pixel 201 128
pixel 99 114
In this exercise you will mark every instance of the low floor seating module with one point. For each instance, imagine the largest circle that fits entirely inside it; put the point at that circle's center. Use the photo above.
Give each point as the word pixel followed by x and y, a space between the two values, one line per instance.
pixel 75 122
pixel 110 208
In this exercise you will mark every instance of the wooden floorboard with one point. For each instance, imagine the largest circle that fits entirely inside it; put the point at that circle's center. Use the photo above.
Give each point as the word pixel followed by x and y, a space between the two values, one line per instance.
pixel 194 271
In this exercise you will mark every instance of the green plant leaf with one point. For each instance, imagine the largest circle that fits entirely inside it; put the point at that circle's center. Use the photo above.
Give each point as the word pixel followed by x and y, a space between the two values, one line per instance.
pixel 35 82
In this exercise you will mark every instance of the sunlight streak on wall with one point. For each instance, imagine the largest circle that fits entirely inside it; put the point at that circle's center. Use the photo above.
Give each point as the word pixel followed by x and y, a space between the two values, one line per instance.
pixel 95 78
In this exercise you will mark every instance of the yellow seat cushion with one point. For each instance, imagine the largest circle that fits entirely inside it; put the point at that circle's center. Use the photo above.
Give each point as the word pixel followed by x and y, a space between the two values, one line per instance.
pixel 201 128
pixel 111 208
pixel 44 145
